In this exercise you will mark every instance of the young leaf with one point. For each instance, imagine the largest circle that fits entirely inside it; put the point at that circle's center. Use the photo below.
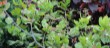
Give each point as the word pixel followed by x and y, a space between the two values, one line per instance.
pixel 62 24
pixel 105 46
pixel 104 22
pixel 83 40
pixel 18 21
pixel 17 2
pixel 2 15
pixel 78 45
pixel 65 40
pixel 74 31
pixel 44 23
pixel 16 12
pixel 45 5
pixel 7 6
pixel 98 45
pixel 22 36
pixel 9 20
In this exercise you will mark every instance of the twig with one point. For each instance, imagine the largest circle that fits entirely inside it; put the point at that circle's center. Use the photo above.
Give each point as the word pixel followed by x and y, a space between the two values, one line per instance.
pixel 34 36
pixel 43 41
pixel 24 31
pixel 31 31
pixel 15 22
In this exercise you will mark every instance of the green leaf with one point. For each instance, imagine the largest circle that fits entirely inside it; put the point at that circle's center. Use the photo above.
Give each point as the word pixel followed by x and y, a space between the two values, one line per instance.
pixel 26 11
pixel 38 36
pixel 76 23
pixel 83 40
pixel 1 10
pixel 65 40
pixel 82 22
pixel 7 6
pixel 104 22
pixel 40 13
pixel 17 42
pixel 10 42
pixel 105 39
pixel 22 36
pixel 51 36
pixel 57 40
pixel 45 5
pixel 44 23
pixel 18 21
pixel 10 28
pixel 1 33
pixel 13 30
pixel 98 45
pixel 16 31
pixel 23 5
pixel 100 21
pixel 2 15
pixel 2 24
pixel 24 20
pixel 74 31
pixel 30 45
pixel 78 45
pixel 96 37
pixel 105 46
pixel 9 20
pixel 17 2
pixel 16 12
pixel 65 4
pixel 62 24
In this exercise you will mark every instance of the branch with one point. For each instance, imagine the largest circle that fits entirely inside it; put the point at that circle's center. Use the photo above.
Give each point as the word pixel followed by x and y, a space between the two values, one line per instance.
pixel 24 31
pixel 34 36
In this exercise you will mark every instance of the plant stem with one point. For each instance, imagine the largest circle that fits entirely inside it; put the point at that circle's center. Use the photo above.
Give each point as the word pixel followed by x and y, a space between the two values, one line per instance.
pixel 32 34
pixel 16 23
pixel 24 30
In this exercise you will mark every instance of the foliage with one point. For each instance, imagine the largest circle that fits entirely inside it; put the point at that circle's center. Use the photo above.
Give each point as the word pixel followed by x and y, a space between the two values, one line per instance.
pixel 36 24
pixel 99 33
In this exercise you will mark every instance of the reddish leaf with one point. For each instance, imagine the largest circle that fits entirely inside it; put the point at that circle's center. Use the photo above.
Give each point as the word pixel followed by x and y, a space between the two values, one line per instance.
pixel 101 9
pixel 76 1
pixel 82 5
pixel 93 7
